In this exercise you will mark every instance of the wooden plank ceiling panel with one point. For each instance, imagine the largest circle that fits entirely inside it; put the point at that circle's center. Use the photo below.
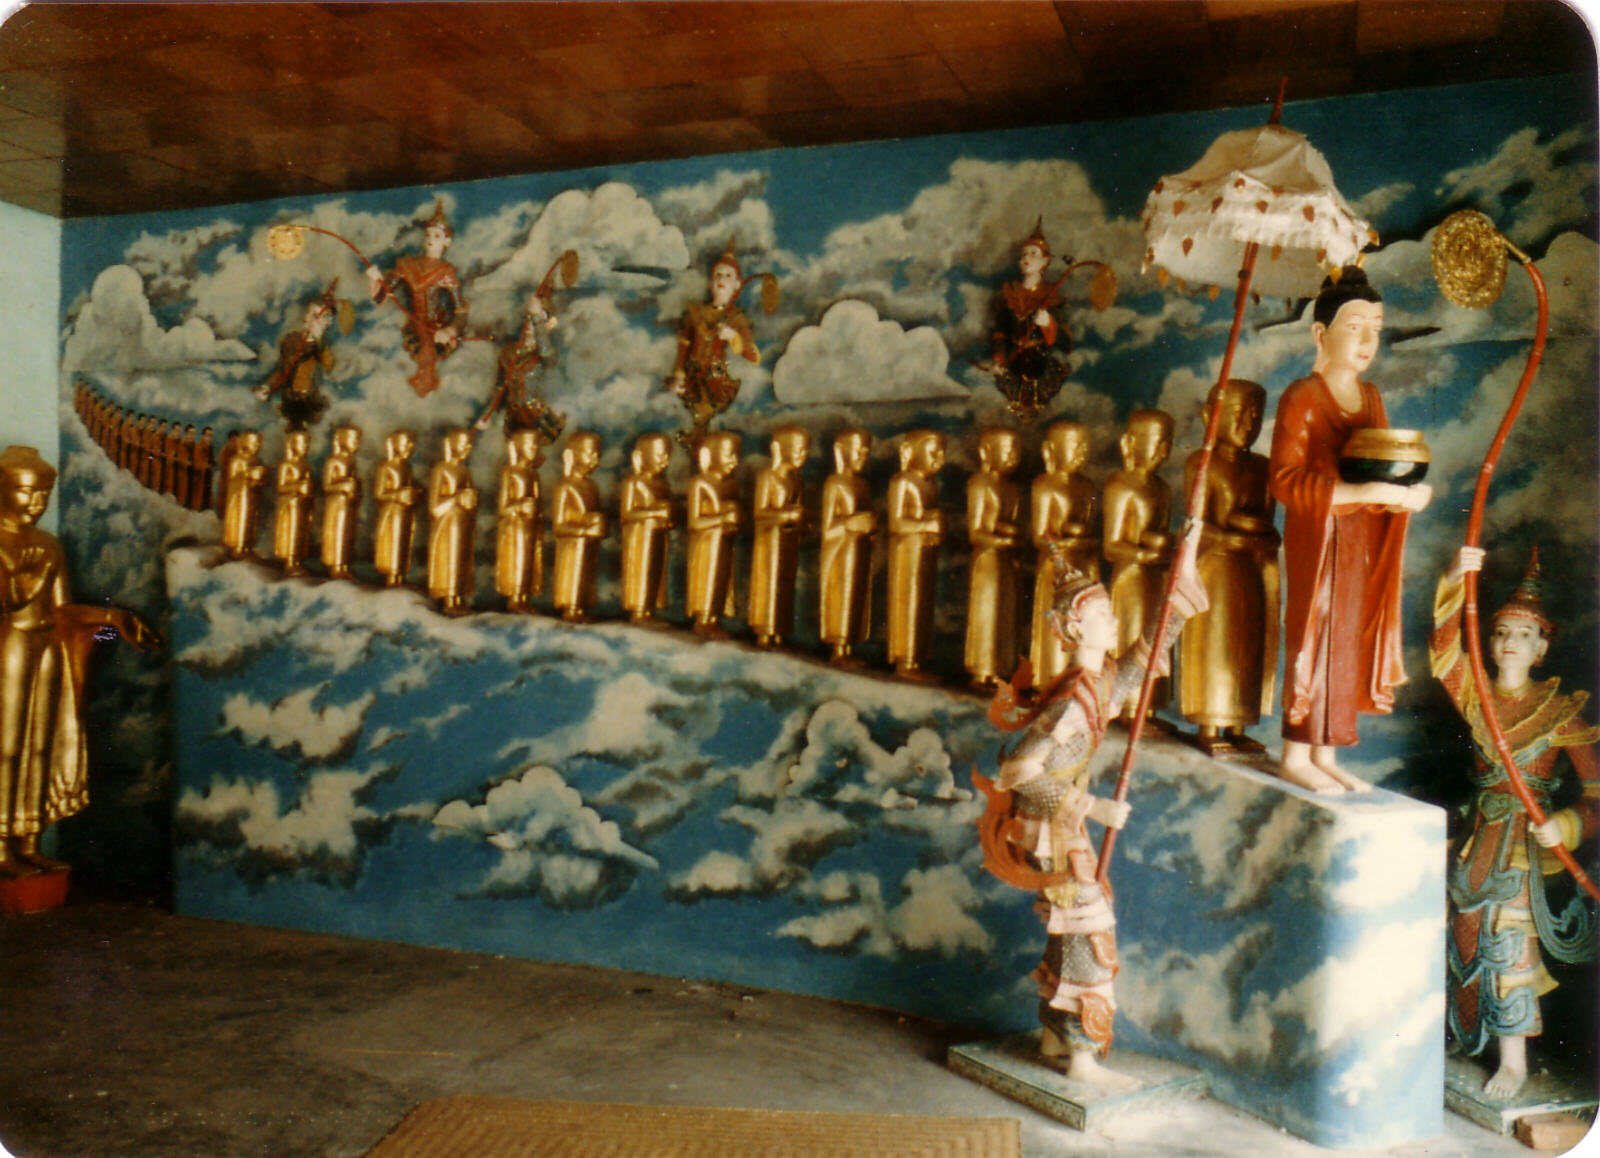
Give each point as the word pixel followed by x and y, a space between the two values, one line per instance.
pixel 118 107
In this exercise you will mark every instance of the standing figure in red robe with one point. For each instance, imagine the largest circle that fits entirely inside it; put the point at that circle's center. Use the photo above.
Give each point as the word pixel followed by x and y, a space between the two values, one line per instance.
pixel 709 332
pixel 429 292
pixel 1342 543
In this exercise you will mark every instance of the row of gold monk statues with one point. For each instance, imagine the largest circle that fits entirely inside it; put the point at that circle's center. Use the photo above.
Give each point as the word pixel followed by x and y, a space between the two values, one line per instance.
pixel 167 457
pixel 1124 527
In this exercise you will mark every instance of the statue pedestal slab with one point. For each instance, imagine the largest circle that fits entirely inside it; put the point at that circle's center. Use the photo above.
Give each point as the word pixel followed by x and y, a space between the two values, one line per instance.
pixel 1012 1066
pixel 1543 1093
pixel 34 894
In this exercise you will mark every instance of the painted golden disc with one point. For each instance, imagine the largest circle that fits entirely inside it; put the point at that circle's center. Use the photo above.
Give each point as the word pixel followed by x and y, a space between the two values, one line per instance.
pixel 285 242
pixel 1469 260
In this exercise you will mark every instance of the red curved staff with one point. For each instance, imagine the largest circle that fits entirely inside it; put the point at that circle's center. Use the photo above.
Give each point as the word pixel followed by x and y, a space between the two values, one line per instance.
pixel 1480 495
pixel 365 260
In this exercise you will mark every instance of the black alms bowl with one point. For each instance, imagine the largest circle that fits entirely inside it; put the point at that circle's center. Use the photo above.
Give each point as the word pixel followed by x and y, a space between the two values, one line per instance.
pixel 1385 455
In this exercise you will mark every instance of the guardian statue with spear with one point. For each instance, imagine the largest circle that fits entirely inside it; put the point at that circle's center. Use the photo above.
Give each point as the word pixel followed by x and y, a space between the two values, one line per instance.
pixel 709 332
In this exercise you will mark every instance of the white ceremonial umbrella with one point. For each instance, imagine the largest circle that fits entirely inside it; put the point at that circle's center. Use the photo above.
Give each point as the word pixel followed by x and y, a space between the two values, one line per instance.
pixel 1254 189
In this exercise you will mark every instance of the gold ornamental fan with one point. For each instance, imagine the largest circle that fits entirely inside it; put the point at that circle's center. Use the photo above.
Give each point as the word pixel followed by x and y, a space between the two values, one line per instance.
pixel 285 242
pixel 1469 259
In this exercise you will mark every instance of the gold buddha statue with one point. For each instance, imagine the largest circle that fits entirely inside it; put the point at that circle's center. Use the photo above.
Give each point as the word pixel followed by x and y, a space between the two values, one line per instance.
pixel 243 476
pixel 994 529
pixel 1136 537
pixel 646 516
pixel 845 569
pixel 341 502
pixel 452 522
pixel 776 512
pixel 578 525
pixel 397 496
pixel 916 528
pixel 519 528
pixel 1066 522
pixel 714 519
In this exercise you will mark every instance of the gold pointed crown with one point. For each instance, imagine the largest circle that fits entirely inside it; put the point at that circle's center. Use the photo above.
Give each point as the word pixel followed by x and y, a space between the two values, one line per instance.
pixel 1036 238
pixel 1528 599
pixel 728 258
pixel 439 219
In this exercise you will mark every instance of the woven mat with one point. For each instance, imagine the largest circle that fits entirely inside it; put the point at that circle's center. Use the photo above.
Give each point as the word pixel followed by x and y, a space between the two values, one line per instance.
pixel 472 1127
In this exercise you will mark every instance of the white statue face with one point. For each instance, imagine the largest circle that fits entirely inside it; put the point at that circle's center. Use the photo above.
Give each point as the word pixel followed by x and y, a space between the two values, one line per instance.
pixel 1097 624
pixel 317 319
pixel 1516 644
pixel 1032 261
pixel 724 284
pixel 1350 341
pixel 435 240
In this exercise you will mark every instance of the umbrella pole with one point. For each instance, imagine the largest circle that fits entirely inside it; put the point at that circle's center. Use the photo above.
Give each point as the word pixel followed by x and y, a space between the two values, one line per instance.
pixel 1193 513
pixel 1480 676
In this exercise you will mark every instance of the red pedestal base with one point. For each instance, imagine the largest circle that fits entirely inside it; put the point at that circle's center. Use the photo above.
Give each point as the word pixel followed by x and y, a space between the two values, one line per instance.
pixel 34 894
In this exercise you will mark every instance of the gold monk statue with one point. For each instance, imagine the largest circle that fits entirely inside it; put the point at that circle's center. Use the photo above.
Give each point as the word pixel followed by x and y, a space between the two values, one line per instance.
pixel 243 476
pixel 994 528
pixel 452 521
pixel 776 511
pixel 714 519
pixel 646 509
pixel 1066 523
pixel 44 649
pixel 578 524
pixel 519 530
pixel 1136 540
pixel 1229 654
pixel 397 496
pixel 291 517
pixel 916 528
pixel 845 570
pixel 341 502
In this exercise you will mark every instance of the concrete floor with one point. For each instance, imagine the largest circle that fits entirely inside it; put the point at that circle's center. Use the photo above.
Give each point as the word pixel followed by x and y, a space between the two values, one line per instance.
pixel 126 1031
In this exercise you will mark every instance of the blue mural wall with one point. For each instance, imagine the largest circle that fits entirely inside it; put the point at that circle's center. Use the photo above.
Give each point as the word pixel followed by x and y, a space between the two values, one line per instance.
pixel 888 255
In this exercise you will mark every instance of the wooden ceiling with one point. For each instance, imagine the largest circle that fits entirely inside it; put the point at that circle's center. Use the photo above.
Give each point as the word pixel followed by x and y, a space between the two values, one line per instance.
pixel 115 108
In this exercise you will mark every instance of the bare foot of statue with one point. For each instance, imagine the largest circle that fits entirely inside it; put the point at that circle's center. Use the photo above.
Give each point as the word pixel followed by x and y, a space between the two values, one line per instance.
pixel 1326 761
pixel 910 671
pixel 1298 768
pixel 841 657
pixel 1083 1066
pixel 1513 1071
pixel 28 853
pixel 12 868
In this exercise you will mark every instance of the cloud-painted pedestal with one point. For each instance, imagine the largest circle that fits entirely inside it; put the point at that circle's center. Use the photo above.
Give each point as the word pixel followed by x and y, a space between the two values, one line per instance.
pixel 348 760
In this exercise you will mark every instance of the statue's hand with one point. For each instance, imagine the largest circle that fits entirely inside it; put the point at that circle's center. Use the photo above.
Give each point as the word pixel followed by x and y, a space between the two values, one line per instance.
pixel 262 392
pixel 1041 318
pixel 1468 559
pixel 1417 496
pixel 1111 813
pixel 1548 834
pixel 446 336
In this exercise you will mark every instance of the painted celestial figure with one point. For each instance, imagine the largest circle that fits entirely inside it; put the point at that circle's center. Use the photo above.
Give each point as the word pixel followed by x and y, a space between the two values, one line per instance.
pixel 1137 512
pixel 45 640
pixel 994 527
pixel 398 497
pixel 243 476
pixel 1229 654
pixel 291 516
pixel 1503 919
pixel 427 289
pixel 845 567
pixel 302 354
pixel 646 517
pixel 714 517
pixel 578 525
pixel 1033 830
pixel 1065 513
pixel 1342 544
pixel 452 523
pixel 916 528
pixel 522 364
pixel 519 526
pixel 777 512
pixel 708 334
pixel 341 502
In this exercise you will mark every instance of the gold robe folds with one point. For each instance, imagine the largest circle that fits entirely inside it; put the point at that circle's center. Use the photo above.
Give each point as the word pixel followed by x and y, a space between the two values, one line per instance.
pixel 519 535
pixel 452 508
pixel 845 569
pixel 776 513
pixel 646 525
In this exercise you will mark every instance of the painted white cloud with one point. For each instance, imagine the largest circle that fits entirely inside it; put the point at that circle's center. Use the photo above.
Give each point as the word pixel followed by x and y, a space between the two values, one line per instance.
pixel 116 330
pixel 728 206
pixel 1530 187
pixel 167 262
pixel 552 843
pixel 320 733
pixel 933 916
pixel 318 828
pixel 842 762
pixel 853 355
pixel 788 839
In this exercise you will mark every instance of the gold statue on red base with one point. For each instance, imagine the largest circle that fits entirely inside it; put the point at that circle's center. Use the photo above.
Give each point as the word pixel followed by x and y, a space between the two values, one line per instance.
pixel 45 641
